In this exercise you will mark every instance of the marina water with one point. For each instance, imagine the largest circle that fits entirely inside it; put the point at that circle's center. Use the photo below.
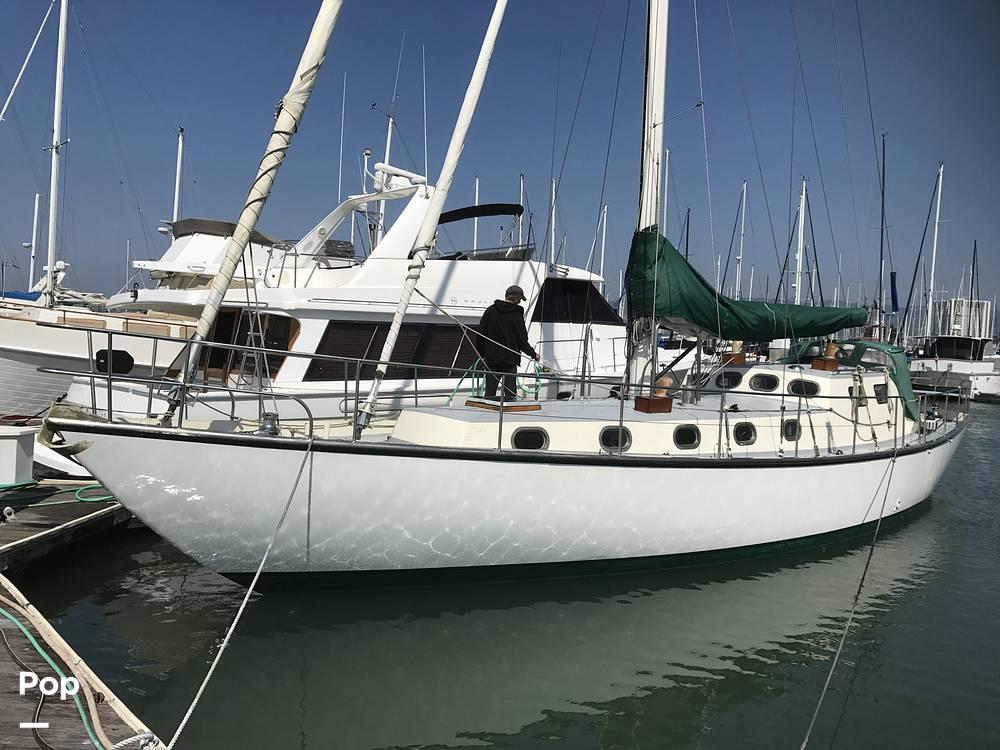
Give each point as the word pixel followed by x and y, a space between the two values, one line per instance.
pixel 718 656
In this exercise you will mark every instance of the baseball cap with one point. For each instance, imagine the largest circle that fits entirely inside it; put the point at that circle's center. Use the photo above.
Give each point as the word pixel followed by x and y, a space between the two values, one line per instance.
pixel 514 291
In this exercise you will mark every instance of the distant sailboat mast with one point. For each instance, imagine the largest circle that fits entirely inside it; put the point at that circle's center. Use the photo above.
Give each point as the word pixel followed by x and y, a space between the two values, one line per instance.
pixel 934 247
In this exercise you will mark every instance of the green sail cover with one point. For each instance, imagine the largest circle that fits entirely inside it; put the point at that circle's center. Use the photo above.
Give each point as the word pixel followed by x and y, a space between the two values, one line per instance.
pixel 661 284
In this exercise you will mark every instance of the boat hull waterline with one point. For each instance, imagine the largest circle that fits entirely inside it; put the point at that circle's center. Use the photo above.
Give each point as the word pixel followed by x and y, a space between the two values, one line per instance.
pixel 360 507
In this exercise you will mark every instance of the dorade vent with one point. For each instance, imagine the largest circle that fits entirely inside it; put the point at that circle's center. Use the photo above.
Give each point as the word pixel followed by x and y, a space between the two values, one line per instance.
pixel 763 382
pixel 807 388
pixel 791 430
pixel 687 436
pixel 744 433
pixel 728 379
pixel 530 439
pixel 616 438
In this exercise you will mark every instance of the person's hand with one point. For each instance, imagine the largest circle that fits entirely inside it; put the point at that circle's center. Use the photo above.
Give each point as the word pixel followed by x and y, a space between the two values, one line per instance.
pixel 538 357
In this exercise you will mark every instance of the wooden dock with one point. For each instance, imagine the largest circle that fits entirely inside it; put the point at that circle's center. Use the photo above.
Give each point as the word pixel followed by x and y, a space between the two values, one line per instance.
pixel 47 518
pixel 94 718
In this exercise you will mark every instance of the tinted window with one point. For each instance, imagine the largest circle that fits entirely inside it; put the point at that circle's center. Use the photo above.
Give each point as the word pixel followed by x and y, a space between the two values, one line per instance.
pixel 860 396
pixel 763 382
pixel 728 379
pixel 430 344
pixel 745 433
pixel 881 391
pixel 791 430
pixel 530 439
pixel 687 436
pixel 612 437
pixel 243 328
pixel 803 388
pixel 573 301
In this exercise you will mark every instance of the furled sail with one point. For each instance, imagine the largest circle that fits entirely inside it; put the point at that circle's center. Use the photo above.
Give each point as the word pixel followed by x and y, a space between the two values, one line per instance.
pixel 661 284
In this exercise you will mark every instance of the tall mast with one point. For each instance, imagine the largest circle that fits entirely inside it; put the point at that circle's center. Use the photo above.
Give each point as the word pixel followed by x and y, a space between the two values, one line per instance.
pixel 475 221
pixel 428 228
pixel 178 175
pixel 552 224
pixel 934 247
pixel 290 112
pixel 380 228
pixel 604 236
pixel 800 247
pixel 34 241
pixel 743 223
pixel 56 148
pixel 881 252
pixel 972 286
pixel 652 119
pixel 520 218
pixel 340 163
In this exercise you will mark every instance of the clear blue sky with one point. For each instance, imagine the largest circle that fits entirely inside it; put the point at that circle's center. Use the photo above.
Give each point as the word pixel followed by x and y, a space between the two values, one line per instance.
pixel 218 69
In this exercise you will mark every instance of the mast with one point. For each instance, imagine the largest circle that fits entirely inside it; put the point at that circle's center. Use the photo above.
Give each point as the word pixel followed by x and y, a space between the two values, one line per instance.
pixel 934 247
pixel 743 223
pixel 552 224
pixel 56 148
pixel 800 247
pixel 604 236
pixel 34 241
pixel 178 175
pixel 750 293
pixel 972 287
pixel 290 112
pixel 687 233
pixel 664 192
pixel 380 227
pixel 475 221
pixel 881 252
pixel 652 120
pixel 428 228
pixel 340 163
pixel 520 218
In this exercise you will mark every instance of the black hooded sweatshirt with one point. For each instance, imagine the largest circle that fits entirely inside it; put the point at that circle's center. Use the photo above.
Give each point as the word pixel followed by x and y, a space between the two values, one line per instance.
pixel 503 321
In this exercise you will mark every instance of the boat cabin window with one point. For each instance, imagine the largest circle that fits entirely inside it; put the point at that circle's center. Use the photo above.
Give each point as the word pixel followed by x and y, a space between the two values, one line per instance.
pixel 245 328
pixel 728 379
pixel 957 347
pixel 860 398
pixel 881 391
pixel 805 388
pixel 687 436
pixel 428 344
pixel 877 358
pixel 791 430
pixel 530 439
pixel 764 382
pixel 744 433
pixel 573 301
pixel 615 438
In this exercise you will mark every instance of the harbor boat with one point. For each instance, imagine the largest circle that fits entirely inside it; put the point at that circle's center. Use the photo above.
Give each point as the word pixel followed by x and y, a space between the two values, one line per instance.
pixel 313 297
pixel 748 455
pixel 950 363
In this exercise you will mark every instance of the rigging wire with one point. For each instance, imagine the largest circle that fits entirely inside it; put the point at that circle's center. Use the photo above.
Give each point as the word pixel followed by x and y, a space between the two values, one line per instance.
pixel 113 139
pixel 812 130
pixel 611 129
pixel 916 264
pixel 704 133
pixel 753 132
pixel 847 144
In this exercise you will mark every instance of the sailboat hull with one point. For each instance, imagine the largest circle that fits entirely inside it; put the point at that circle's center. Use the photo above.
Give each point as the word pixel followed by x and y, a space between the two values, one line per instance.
pixel 361 507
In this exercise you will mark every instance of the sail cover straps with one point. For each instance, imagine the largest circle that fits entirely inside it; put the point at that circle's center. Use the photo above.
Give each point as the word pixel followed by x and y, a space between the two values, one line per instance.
pixel 661 284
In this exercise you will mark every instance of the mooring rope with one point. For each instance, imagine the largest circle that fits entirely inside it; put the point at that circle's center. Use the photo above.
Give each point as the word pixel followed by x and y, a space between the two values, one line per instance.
pixel 857 596
pixel 246 599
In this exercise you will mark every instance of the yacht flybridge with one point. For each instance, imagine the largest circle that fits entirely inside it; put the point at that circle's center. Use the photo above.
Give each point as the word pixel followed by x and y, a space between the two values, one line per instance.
pixel 738 456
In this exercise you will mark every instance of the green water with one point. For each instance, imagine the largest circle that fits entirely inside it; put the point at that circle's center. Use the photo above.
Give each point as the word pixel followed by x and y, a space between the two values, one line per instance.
pixel 726 656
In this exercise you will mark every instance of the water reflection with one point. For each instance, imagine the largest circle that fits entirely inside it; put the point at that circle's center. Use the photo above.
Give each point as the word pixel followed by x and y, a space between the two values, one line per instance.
pixel 663 659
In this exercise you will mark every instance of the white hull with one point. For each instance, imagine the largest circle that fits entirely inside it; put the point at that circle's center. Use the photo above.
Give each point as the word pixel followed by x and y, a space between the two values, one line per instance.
pixel 24 390
pixel 382 507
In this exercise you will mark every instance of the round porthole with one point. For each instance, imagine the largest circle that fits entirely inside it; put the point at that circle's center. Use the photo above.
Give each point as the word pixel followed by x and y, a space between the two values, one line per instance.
pixel 744 433
pixel 530 439
pixel 728 379
pixel 763 382
pixel 687 436
pixel 805 388
pixel 616 439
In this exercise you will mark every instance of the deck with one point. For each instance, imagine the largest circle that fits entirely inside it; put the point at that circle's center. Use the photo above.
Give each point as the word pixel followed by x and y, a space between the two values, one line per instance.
pixel 48 519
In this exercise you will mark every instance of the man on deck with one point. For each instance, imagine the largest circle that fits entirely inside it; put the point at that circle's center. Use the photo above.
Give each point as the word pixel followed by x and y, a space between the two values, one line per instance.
pixel 502 338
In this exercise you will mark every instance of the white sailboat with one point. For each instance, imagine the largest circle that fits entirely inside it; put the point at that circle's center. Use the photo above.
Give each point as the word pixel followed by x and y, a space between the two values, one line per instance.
pixel 748 455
